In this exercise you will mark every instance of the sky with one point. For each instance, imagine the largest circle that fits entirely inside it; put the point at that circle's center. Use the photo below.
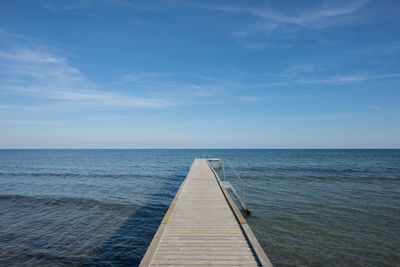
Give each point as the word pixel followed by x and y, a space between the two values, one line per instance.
pixel 199 74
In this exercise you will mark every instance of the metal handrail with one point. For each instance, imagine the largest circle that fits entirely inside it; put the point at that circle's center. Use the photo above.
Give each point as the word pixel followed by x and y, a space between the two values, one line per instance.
pixel 235 172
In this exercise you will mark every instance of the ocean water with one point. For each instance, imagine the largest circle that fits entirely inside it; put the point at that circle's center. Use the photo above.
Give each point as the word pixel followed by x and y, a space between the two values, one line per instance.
pixel 103 207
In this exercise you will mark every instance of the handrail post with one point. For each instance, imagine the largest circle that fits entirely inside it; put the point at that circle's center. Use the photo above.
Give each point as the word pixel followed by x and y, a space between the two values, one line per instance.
pixel 223 169
pixel 243 192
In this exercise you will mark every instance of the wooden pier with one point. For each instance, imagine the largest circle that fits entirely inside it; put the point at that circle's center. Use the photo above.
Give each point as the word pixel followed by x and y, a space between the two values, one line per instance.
pixel 203 227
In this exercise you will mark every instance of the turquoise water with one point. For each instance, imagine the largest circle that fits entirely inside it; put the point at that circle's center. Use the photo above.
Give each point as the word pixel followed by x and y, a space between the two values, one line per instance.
pixel 102 207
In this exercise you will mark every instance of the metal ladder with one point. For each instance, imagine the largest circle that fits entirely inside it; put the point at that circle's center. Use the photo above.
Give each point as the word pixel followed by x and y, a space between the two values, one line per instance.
pixel 229 186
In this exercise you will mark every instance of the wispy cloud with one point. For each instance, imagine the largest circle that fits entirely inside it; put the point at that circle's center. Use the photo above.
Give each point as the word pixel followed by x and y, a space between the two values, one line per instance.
pixel 41 74
pixel 245 39
pixel 186 88
pixel 134 77
pixel 29 56
pixel 301 68
pixel 66 5
pixel 249 98
pixel 329 116
pixel 269 26
pixel 31 122
pixel 266 25
pixel 101 98
pixel 318 17
pixel 348 78
pixel 12 107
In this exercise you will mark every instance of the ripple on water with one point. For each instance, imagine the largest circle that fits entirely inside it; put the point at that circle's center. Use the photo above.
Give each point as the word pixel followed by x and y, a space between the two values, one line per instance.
pixel 102 207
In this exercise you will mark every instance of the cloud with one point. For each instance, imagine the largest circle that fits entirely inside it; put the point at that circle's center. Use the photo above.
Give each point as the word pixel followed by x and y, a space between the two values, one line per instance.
pixel 100 98
pixel 28 56
pixel 68 5
pixel 183 87
pixel 43 75
pixel 250 98
pixel 318 17
pixel 260 26
pixel 301 68
pixel 348 78
pixel 134 77
pixel 12 107
pixel 245 40
pixel 266 26
pixel 31 122
pixel 61 5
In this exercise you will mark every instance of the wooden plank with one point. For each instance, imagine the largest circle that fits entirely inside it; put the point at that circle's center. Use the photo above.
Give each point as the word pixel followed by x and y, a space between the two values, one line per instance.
pixel 207 262
pixel 203 227
pixel 261 256
pixel 157 237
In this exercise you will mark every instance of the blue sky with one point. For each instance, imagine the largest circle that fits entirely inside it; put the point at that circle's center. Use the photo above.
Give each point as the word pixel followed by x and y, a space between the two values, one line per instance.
pixel 199 74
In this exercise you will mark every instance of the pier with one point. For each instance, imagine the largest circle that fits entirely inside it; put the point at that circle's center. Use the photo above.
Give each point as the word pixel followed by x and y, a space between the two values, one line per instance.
pixel 203 227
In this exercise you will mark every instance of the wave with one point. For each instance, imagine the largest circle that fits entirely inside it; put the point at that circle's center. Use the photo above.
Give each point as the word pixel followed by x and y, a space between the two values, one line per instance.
pixel 322 173
pixel 317 169
pixel 64 201
pixel 78 175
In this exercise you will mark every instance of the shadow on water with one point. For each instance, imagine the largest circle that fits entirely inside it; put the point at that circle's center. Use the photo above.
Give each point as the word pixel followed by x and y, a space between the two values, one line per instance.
pixel 129 243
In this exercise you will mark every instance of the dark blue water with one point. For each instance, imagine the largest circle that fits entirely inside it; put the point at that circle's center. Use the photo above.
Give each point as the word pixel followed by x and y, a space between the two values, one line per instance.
pixel 102 207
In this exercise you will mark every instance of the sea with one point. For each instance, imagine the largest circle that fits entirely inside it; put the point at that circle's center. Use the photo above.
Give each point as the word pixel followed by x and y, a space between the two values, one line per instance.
pixel 103 207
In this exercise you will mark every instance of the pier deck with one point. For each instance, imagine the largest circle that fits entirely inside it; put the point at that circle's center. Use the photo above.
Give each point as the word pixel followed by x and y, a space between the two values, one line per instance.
pixel 203 227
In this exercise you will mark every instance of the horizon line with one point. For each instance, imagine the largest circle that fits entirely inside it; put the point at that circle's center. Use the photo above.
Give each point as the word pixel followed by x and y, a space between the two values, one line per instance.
pixel 349 148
